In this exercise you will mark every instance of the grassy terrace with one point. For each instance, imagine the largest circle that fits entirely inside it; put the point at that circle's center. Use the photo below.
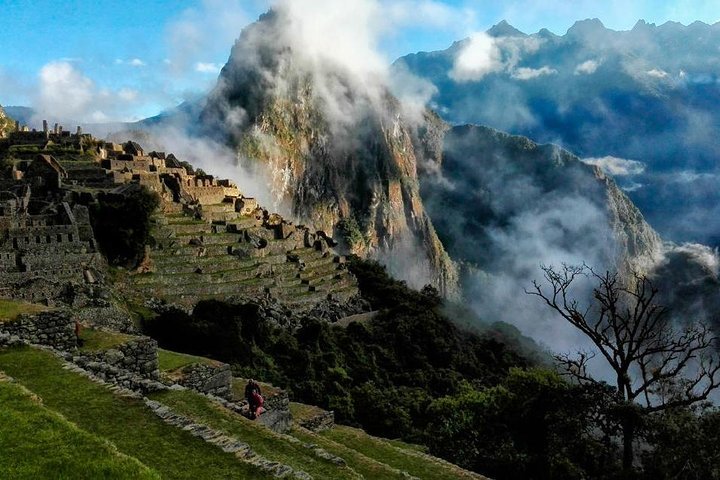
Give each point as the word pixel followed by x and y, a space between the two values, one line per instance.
pixel 301 411
pixel 263 441
pixel 170 361
pixel 126 422
pixel 365 466
pixel 10 309
pixel 96 340
pixel 403 458
pixel 238 388
pixel 39 443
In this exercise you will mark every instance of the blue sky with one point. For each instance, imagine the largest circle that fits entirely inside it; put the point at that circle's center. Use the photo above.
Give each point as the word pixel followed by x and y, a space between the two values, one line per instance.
pixel 123 60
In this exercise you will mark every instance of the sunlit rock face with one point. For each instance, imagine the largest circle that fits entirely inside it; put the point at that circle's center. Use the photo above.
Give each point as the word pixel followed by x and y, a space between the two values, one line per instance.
pixel 335 149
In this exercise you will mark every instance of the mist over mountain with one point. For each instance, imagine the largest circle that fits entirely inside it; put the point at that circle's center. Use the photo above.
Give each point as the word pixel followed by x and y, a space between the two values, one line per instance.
pixel 331 147
pixel 331 144
pixel 642 104
pixel 503 205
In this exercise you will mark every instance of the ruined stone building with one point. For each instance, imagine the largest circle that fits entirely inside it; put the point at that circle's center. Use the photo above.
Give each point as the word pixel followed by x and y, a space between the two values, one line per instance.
pixel 43 248
pixel 209 240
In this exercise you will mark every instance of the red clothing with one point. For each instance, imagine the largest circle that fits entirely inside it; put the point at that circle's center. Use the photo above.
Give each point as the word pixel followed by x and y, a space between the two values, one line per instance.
pixel 257 405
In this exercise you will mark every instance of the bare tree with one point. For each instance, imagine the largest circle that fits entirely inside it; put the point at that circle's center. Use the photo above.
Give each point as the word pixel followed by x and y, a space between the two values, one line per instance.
pixel 657 365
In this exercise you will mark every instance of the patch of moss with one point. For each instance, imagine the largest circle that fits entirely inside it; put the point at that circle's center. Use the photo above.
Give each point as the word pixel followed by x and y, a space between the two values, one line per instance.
pixel 10 309
pixel 97 340
pixel 37 442
pixel 170 361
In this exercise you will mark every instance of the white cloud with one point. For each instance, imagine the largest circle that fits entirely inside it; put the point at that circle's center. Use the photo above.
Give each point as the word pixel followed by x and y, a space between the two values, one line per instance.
pixel 617 167
pixel 657 73
pixel 338 33
pixel 64 89
pixel 202 32
pixel 203 67
pixel 524 73
pixel 479 57
pixel 587 68
pixel 632 186
pixel 128 94
pixel 428 13
pixel 64 93
pixel 483 54
pixel 134 62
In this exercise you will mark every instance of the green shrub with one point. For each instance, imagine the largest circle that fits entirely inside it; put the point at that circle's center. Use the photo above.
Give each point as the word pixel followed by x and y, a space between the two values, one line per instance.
pixel 121 224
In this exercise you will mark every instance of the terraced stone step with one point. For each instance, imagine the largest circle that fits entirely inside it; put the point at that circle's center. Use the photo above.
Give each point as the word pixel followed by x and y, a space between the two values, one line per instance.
pixel 223 217
pixel 227 443
pixel 285 268
pixel 243 223
pixel 210 238
pixel 304 301
pixel 199 289
pixel 212 268
pixel 216 249
pixel 193 228
pixel 346 293
pixel 320 269
pixel 319 262
pixel 334 285
pixel 218 207
pixel 169 259
pixel 288 291
pixel 288 281
pixel 276 260
pixel 306 253
pixel 205 278
pixel 319 278
pixel 191 300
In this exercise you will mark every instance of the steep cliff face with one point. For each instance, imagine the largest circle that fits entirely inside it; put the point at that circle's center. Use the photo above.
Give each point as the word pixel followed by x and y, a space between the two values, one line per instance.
pixel 649 94
pixel 502 202
pixel 336 151
pixel 6 123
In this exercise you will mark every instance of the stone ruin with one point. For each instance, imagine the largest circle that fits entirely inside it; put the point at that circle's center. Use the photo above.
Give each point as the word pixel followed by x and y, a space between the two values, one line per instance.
pixel 211 241
pixel 164 175
pixel 44 246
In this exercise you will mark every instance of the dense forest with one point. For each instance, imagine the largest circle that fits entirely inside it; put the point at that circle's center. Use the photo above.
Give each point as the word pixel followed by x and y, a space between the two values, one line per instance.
pixel 483 399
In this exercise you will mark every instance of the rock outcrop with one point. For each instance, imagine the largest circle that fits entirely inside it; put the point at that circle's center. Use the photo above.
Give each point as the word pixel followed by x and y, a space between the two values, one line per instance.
pixel 6 123
pixel 496 197
pixel 337 153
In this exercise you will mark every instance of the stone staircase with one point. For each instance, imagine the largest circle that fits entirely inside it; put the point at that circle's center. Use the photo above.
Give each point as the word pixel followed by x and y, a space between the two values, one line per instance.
pixel 87 174
pixel 224 254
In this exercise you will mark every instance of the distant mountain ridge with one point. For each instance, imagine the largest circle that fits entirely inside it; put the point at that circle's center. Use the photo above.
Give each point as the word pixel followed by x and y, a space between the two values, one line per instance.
pixel 381 184
pixel 650 94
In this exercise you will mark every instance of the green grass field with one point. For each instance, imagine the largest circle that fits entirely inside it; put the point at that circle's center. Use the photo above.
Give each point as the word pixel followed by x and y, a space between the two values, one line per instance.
pixel 362 464
pixel 403 458
pixel 10 309
pixel 170 361
pixel 36 442
pixel 126 422
pixel 70 427
pixel 96 340
pixel 263 441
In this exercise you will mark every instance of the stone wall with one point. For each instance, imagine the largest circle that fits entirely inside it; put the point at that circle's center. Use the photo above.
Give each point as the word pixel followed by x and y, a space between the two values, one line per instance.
pixel 137 357
pixel 277 416
pixel 54 329
pixel 320 422
pixel 215 380
pixel 110 318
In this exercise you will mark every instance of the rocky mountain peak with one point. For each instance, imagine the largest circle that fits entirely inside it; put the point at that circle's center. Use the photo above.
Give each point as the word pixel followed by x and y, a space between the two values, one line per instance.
pixel 590 26
pixel 336 151
pixel 504 29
